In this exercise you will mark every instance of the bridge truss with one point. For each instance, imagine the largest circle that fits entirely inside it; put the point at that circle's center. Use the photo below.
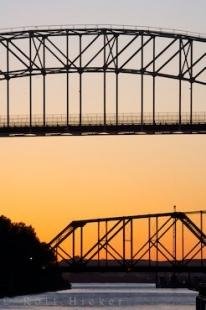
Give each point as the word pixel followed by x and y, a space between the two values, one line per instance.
pixel 163 241
pixel 34 55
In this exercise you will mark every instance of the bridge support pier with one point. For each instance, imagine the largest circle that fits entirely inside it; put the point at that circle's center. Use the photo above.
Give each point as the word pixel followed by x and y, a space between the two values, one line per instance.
pixel 201 298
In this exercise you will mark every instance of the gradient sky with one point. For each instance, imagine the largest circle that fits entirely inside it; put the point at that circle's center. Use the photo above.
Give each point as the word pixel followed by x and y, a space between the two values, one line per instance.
pixel 47 182
pixel 184 14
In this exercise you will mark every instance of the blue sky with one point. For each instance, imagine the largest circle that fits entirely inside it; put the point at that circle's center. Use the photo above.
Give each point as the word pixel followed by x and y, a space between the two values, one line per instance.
pixel 183 14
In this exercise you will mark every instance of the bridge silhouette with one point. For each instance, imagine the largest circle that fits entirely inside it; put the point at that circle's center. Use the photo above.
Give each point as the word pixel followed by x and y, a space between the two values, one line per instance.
pixel 150 242
pixel 109 53
pixel 30 57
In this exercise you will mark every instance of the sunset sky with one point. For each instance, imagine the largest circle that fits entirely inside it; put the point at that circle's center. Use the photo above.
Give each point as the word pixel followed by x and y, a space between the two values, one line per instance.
pixel 48 182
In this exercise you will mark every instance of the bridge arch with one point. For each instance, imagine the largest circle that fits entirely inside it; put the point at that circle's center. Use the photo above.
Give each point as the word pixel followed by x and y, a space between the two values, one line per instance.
pixel 150 54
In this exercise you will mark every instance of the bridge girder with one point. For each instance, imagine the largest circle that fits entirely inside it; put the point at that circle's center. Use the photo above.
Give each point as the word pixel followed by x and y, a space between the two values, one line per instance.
pixel 106 51
pixel 164 241
pixel 31 57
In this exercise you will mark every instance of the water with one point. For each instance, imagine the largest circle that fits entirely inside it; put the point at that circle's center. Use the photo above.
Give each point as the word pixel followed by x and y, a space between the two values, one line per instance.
pixel 106 296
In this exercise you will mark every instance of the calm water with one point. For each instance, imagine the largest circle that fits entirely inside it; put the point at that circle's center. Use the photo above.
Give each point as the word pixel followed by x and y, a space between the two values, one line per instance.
pixel 107 296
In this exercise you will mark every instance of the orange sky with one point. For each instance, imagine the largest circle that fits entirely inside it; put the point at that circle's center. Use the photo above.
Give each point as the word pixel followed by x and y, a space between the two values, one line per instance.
pixel 47 182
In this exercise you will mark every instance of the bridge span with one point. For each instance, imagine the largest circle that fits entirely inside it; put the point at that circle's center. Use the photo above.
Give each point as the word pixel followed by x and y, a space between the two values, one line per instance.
pixel 157 242
pixel 80 80
pixel 93 124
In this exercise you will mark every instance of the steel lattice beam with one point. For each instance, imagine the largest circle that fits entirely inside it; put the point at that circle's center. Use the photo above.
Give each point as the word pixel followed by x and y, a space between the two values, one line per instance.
pixel 174 241
pixel 104 51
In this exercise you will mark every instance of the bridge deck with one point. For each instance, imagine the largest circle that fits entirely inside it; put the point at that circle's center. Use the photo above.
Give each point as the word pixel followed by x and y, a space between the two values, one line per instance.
pixel 164 123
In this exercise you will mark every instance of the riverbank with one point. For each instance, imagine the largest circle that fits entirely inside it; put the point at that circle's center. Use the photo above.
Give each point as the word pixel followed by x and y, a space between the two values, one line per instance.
pixel 46 280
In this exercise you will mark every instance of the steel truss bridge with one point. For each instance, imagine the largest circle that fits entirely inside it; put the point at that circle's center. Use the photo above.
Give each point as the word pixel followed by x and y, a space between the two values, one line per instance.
pixel 151 242
pixel 32 55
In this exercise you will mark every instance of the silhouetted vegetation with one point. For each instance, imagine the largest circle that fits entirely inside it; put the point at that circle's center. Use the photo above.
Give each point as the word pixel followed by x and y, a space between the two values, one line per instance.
pixel 26 264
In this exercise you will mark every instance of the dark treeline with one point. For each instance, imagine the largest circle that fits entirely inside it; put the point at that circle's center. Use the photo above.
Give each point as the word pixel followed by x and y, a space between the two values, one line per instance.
pixel 26 264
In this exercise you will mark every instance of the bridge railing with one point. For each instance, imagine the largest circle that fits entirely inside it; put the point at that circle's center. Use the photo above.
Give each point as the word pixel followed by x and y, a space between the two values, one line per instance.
pixel 98 119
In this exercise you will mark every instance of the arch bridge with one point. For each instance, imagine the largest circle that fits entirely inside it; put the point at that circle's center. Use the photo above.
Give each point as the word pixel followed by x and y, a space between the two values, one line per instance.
pixel 74 80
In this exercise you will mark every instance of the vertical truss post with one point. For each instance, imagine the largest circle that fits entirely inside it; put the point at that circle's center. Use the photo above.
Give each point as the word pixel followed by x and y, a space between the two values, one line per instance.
pixel 81 242
pixel 67 78
pixel 80 80
pixel 201 228
pixel 98 238
pixel 117 82
pixel 44 83
pixel 157 248
pixel 154 82
pixel 175 240
pixel 191 82
pixel 183 242
pixel 30 80
pixel 124 242
pixel 8 86
pixel 105 83
pixel 157 241
pixel 180 81
pixel 149 238
pixel 106 241
pixel 142 79
pixel 131 239
pixel 73 244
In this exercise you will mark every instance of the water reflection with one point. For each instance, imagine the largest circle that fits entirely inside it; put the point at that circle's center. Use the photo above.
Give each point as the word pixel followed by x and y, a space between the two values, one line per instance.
pixel 107 296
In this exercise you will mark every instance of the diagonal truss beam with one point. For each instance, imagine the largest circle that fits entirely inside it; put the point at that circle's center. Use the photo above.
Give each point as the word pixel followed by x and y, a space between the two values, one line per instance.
pixel 135 53
pixel 45 38
pixel 122 50
pixel 104 240
pixel 155 240
pixel 172 57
